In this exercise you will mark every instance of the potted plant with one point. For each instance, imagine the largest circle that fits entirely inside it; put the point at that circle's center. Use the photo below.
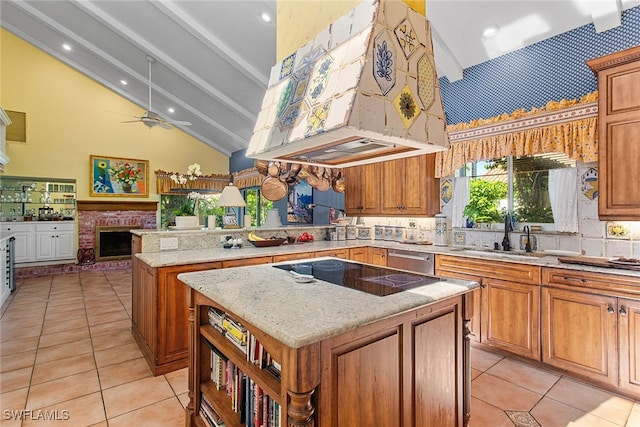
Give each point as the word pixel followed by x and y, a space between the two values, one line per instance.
pixel 186 214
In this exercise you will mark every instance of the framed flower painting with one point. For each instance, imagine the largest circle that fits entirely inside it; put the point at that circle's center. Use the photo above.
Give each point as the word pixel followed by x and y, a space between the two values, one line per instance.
pixel 113 176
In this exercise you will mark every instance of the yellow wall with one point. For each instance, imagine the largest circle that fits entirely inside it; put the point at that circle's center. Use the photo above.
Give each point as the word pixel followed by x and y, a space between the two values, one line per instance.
pixel 301 20
pixel 67 122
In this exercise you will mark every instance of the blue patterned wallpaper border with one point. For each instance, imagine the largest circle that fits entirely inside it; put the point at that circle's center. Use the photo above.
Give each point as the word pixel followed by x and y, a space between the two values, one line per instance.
pixel 552 69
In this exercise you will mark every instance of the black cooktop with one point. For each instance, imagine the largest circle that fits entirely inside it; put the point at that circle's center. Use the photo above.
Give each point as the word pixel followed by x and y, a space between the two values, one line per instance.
pixel 371 279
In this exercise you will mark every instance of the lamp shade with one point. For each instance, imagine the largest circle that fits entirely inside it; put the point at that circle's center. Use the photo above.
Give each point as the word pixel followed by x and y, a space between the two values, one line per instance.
pixel 231 197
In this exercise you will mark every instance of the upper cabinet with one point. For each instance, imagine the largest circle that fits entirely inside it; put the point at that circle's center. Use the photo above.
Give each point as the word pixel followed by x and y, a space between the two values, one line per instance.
pixel 399 187
pixel 618 134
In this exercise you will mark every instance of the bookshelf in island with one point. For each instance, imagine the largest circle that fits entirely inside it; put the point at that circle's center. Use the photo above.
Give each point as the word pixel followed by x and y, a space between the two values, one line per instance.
pixel 267 350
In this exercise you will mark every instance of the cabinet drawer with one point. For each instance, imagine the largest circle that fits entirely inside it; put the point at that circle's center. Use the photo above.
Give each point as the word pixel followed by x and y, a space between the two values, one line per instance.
pixel 247 261
pixel 601 282
pixel 338 253
pixel 60 226
pixel 522 273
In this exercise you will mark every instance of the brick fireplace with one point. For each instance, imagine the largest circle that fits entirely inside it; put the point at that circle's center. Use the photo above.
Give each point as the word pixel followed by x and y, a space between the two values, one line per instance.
pixel 92 214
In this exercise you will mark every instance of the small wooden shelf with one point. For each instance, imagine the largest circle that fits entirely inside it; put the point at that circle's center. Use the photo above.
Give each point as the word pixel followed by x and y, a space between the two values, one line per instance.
pixel 221 402
pixel 269 383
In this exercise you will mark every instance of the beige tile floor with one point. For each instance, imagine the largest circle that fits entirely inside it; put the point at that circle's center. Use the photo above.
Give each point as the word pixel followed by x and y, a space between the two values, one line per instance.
pixel 66 346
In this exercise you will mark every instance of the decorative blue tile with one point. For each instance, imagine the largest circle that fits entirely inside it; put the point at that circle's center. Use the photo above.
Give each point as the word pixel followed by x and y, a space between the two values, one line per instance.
pixel 287 66
pixel 309 61
pixel 384 62
pixel 319 79
pixel 289 117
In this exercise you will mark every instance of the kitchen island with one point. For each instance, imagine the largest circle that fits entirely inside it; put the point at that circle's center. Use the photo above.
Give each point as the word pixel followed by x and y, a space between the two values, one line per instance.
pixel 347 357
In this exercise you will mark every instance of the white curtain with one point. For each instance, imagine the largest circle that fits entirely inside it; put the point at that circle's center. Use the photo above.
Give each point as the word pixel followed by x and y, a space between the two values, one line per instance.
pixel 563 194
pixel 460 200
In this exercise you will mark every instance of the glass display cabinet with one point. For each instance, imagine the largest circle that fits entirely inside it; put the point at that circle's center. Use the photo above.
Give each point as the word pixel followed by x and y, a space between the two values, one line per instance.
pixel 37 199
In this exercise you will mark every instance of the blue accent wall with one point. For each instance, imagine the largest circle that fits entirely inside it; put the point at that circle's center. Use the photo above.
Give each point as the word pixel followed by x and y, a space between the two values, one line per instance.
pixel 550 70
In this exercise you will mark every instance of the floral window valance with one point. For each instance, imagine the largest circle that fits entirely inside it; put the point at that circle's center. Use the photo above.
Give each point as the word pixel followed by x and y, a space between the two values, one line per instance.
pixel 247 178
pixel 164 184
pixel 568 127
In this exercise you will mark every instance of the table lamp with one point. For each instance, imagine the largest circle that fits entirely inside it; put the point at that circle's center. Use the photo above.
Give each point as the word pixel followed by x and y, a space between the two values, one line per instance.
pixel 231 198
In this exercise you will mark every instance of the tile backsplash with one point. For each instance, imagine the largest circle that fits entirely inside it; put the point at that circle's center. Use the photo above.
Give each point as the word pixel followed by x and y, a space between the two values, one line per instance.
pixel 594 237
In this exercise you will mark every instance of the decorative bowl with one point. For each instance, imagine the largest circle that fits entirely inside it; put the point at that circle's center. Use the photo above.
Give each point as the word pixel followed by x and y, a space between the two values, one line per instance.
pixel 267 243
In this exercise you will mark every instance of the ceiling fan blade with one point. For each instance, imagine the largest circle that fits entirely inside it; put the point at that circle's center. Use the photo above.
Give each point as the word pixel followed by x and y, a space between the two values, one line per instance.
pixel 178 122
pixel 163 125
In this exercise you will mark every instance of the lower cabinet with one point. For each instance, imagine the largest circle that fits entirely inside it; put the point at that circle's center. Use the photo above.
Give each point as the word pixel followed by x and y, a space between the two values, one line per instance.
pixel 55 241
pixel 375 256
pixel 25 243
pixel 629 344
pixel 579 332
pixel 338 253
pixel 160 316
pixel 591 326
pixel 510 317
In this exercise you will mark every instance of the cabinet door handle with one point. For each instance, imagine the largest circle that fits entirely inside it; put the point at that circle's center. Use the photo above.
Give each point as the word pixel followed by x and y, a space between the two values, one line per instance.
pixel 574 278
pixel 610 310
pixel 622 311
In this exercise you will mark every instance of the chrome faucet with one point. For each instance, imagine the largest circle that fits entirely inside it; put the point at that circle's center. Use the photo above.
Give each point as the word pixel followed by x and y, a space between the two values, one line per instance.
pixel 527 246
pixel 506 244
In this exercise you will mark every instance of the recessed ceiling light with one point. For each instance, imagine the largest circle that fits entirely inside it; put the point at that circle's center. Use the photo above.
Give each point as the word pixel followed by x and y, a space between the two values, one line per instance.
pixel 265 17
pixel 124 82
pixel 491 31
pixel 66 46
pixel 171 110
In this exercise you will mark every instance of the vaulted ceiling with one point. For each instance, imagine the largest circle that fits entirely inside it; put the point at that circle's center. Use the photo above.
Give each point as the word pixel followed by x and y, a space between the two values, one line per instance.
pixel 213 58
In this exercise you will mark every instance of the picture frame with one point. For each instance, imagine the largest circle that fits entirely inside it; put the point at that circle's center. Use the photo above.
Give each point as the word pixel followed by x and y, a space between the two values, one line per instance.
pixel 118 176
pixel 299 198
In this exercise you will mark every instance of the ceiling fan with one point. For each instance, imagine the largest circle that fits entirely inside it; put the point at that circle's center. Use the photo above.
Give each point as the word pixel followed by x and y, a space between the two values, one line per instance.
pixel 151 118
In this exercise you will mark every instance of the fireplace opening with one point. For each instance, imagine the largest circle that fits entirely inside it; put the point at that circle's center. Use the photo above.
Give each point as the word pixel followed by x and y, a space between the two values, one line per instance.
pixel 114 242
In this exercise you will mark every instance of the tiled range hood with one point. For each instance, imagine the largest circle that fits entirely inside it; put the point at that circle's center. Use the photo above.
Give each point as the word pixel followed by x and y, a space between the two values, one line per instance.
pixel 364 90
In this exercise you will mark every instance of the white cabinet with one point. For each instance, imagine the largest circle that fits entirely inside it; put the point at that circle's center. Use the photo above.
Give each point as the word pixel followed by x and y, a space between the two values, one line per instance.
pixel 25 243
pixel 4 286
pixel 55 241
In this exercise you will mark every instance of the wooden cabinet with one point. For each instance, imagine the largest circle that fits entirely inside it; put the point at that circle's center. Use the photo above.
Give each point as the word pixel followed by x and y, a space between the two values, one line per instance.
pixel 507 312
pixel 511 317
pixel 591 326
pixel 247 261
pixel 377 256
pixel 292 257
pixel 579 333
pixel 629 344
pixel 338 253
pixel 407 369
pixel 618 133
pixel 408 186
pixel 362 190
pixel 159 314
pixel 396 187
pixel 369 255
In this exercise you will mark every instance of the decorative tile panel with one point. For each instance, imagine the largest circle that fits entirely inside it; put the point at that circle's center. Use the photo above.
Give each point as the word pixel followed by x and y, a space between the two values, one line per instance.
pixel 618 230
pixel 384 66
pixel 287 66
pixel 301 83
pixel 289 117
pixel 406 37
pixel 319 79
pixel 317 119
pixel 285 97
pixel 308 62
pixel 406 106
pixel 589 183
pixel 446 190
pixel 426 80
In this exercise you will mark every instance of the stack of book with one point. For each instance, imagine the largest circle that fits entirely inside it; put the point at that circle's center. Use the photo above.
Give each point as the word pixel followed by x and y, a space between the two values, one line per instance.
pixel 262 411
pixel 257 355
pixel 208 414
pixel 229 327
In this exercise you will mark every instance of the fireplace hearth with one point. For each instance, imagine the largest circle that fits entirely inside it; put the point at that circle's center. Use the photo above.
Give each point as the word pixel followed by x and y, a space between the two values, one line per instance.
pixel 113 242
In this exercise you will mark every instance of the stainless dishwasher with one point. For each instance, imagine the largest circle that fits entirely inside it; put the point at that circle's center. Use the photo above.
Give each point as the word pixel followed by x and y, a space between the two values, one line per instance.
pixel 419 262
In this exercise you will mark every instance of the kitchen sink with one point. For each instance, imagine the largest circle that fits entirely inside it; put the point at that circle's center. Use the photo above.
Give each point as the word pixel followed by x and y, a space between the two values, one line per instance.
pixel 502 254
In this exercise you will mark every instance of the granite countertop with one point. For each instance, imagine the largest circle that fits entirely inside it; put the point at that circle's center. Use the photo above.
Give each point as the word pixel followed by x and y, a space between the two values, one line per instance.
pixel 298 314
pixel 172 258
